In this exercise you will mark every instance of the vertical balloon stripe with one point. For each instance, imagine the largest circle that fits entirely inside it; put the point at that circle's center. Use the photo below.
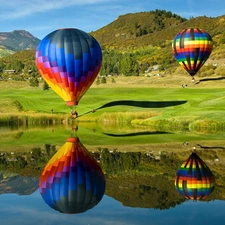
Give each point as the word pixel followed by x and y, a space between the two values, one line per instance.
pixel 182 39
pixel 192 36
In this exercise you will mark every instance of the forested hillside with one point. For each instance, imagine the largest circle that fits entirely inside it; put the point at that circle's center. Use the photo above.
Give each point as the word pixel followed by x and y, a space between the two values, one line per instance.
pixel 135 42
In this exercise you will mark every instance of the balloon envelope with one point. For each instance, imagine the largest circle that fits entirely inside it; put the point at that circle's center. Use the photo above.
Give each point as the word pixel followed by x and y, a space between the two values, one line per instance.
pixel 69 61
pixel 72 181
pixel 194 180
pixel 191 48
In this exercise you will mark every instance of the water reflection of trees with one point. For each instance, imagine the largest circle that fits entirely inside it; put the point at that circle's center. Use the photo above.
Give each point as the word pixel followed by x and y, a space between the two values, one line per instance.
pixel 141 179
pixel 114 162
pixel 27 163
pixel 137 179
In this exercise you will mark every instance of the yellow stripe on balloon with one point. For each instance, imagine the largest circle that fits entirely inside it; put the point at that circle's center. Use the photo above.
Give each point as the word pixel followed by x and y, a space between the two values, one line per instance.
pixel 66 96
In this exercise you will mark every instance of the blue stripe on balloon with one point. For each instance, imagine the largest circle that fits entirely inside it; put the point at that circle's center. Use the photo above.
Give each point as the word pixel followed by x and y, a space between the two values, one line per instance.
pixel 73 181
pixel 86 62
pixel 80 174
pixel 55 191
pixel 60 55
pixel 63 191
pixel 69 60
pixel 78 68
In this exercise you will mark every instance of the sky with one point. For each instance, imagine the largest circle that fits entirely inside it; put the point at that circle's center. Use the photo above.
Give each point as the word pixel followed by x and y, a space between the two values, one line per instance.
pixel 41 17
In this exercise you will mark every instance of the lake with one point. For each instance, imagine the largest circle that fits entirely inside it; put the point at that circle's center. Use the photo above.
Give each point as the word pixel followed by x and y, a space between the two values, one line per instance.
pixel 138 165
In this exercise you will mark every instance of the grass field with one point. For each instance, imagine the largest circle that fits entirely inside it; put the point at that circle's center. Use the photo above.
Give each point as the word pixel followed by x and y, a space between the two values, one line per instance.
pixel 160 102
pixel 143 100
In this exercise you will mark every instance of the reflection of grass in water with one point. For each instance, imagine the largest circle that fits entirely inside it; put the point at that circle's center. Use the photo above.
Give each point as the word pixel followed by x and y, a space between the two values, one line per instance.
pixel 25 139
pixel 125 117
pixel 30 118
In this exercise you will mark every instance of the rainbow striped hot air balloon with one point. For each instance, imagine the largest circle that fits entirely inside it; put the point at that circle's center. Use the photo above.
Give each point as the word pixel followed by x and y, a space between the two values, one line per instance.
pixel 72 181
pixel 69 61
pixel 191 48
pixel 194 180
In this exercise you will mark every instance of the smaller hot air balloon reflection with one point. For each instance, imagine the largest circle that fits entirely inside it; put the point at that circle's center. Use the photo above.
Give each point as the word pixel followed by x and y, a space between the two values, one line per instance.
pixel 194 180
pixel 72 181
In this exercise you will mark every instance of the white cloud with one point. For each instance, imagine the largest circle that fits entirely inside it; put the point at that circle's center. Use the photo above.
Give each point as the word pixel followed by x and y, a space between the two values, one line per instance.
pixel 17 9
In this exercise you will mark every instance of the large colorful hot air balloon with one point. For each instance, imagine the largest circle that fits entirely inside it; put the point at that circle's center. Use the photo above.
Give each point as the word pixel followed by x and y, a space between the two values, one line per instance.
pixel 72 181
pixel 194 180
pixel 69 61
pixel 191 48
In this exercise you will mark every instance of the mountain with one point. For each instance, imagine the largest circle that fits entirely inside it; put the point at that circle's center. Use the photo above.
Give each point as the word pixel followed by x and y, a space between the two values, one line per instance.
pixel 154 28
pixel 148 35
pixel 16 40
pixel 135 30
pixel 14 183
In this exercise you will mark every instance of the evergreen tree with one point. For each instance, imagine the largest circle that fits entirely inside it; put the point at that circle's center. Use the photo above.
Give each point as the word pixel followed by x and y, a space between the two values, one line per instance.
pixel 34 82
pixel 129 66
pixel 45 86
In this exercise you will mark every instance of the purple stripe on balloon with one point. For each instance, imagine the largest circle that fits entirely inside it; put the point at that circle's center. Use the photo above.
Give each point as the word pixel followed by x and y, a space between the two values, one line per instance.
pixel 64 174
pixel 58 174
pixel 71 79
pixel 62 69
pixel 90 73
pixel 46 65
pixel 70 74
pixel 78 158
pixel 56 180
pixel 55 69
pixel 77 79
pixel 45 58
pixel 48 185
pixel 66 169
pixel 83 79
pixel 43 184
pixel 50 179
pixel 63 74
pixel 76 84
pixel 73 163
pixel 53 64
pixel 39 53
pixel 40 59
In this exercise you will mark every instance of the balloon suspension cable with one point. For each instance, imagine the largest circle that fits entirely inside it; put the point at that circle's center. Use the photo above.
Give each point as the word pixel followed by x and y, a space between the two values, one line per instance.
pixel 74 130
pixel 74 113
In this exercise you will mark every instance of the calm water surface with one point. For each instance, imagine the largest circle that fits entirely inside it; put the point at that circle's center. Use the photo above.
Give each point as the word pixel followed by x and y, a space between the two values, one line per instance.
pixel 15 209
pixel 29 208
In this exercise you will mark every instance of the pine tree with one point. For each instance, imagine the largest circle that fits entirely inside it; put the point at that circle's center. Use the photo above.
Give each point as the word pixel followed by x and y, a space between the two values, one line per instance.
pixel 45 86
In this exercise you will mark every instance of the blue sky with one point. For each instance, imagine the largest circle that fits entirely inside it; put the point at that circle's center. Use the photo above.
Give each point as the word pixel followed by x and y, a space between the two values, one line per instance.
pixel 40 17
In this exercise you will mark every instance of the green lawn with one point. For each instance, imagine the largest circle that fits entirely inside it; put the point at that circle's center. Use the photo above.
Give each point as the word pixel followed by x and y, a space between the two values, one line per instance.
pixel 143 102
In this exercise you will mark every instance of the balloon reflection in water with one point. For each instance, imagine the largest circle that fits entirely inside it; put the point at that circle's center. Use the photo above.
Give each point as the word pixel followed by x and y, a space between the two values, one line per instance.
pixel 194 180
pixel 72 181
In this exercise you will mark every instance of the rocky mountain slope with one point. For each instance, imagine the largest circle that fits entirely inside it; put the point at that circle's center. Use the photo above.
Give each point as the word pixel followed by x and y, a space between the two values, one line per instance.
pixel 16 40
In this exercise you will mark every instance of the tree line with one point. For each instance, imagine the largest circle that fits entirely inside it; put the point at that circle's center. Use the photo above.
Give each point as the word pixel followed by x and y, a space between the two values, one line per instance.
pixel 114 62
